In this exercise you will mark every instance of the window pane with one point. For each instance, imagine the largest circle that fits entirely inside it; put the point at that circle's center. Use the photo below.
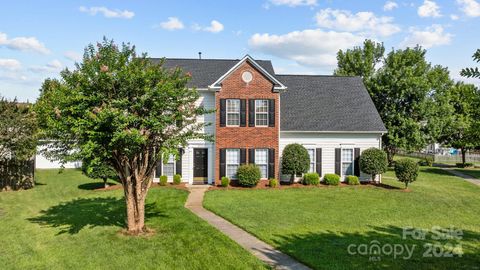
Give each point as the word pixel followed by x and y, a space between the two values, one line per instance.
pixel 233 119
pixel 311 154
pixel 261 156
pixel 261 105
pixel 168 169
pixel 233 105
pixel 232 171
pixel 233 156
pixel 263 171
pixel 347 168
pixel 261 119
pixel 347 155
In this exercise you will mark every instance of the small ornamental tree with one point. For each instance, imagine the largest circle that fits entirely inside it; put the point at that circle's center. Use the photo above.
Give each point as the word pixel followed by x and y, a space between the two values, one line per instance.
pixel 124 110
pixel 373 161
pixel 295 160
pixel 98 170
pixel 406 171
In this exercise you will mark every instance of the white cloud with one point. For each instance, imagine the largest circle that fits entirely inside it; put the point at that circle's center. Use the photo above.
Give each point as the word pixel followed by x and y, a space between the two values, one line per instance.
pixel 53 66
pixel 429 37
pixel 471 8
pixel 366 22
pixel 108 13
pixel 10 64
pixel 311 47
pixel 173 23
pixel 454 17
pixel 23 44
pixel 429 9
pixel 72 56
pixel 390 5
pixel 215 27
pixel 294 3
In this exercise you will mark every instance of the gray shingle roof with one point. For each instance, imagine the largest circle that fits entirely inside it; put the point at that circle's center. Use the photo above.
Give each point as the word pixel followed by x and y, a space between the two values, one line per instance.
pixel 327 103
pixel 207 71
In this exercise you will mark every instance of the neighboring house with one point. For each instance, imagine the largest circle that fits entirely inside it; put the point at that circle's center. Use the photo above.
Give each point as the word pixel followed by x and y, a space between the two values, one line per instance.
pixel 259 112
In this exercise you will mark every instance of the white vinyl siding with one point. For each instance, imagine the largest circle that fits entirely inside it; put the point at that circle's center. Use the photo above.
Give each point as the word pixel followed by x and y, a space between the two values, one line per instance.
pixel 207 101
pixel 328 142
pixel 233 112
pixel 232 162
pixel 261 112
pixel 311 154
pixel 261 160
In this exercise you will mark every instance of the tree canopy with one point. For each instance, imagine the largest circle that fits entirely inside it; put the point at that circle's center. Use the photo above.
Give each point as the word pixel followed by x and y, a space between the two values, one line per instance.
pixel 472 72
pixel 124 111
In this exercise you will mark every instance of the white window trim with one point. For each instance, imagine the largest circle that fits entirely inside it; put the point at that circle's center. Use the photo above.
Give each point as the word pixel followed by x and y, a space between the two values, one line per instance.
pixel 341 161
pixel 226 162
pixel 267 112
pixel 227 113
pixel 314 161
pixel 268 158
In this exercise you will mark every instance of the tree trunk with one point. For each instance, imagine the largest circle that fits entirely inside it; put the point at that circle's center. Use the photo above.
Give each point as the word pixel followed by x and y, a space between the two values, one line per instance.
pixel 105 185
pixel 390 154
pixel 464 159
pixel 135 214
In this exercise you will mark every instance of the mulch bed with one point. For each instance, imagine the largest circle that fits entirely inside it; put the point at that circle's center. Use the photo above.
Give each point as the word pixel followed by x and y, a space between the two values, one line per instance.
pixel 263 184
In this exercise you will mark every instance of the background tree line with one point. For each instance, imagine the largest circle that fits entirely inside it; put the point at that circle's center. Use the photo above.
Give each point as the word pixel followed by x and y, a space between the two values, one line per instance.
pixel 418 102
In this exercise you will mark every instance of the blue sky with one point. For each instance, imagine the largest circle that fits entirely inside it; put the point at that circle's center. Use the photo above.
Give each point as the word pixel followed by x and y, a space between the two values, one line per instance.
pixel 39 38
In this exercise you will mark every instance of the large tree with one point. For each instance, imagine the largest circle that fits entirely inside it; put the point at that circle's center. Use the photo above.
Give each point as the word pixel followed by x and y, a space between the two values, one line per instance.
pixel 462 130
pixel 472 72
pixel 403 86
pixel 125 111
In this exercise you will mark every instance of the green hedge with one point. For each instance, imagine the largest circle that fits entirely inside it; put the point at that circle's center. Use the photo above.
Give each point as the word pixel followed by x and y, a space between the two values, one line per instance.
pixel 311 179
pixel 248 175
pixel 331 179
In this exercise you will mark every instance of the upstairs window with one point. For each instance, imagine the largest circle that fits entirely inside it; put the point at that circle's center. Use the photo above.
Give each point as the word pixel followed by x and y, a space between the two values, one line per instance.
pixel 261 113
pixel 233 112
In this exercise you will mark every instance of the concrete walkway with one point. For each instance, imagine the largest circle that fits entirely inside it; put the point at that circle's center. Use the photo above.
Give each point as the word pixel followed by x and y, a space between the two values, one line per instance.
pixel 466 177
pixel 260 249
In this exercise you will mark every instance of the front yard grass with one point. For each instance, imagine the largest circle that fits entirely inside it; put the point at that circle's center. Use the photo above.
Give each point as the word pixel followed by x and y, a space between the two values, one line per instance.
pixel 60 224
pixel 472 172
pixel 317 225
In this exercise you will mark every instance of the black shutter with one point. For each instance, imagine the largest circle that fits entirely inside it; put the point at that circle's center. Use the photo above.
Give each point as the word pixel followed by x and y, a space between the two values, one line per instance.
pixel 251 112
pixel 271 163
pixel 223 112
pixel 158 169
pixel 271 112
pixel 243 156
pixel 357 162
pixel 318 161
pixel 338 162
pixel 243 112
pixel 222 162
pixel 251 156
pixel 178 162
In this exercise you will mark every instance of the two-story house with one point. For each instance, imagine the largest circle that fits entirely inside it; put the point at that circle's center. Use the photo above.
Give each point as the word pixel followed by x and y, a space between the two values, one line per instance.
pixel 259 112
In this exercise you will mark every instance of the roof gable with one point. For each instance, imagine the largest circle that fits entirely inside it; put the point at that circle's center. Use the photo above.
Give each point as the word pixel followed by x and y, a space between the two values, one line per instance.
pixel 277 85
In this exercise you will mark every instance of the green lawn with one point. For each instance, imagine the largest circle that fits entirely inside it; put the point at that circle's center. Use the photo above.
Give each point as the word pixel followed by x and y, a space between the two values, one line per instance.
pixel 60 224
pixel 317 225
pixel 472 172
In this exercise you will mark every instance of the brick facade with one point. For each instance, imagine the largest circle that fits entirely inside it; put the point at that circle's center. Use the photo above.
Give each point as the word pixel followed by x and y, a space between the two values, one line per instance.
pixel 246 137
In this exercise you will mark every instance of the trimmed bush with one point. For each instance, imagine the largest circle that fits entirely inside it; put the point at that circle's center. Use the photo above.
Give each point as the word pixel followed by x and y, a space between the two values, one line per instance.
pixel 177 179
pixel 373 161
pixel 466 165
pixel 428 161
pixel 273 183
pixel 331 179
pixel 406 171
pixel 352 180
pixel 295 160
pixel 163 180
pixel 311 179
pixel 248 175
pixel 225 181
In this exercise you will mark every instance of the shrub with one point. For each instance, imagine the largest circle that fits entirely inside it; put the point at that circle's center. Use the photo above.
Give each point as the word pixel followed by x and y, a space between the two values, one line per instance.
pixel 428 161
pixel 163 180
pixel 248 175
pixel 406 171
pixel 225 181
pixel 177 179
pixel 311 179
pixel 295 160
pixel 352 180
pixel 331 179
pixel 466 165
pixel 373 161
pixel 273 183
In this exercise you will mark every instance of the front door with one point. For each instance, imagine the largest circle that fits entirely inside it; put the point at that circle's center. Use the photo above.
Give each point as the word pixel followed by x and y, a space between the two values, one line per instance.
pixel 200 166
